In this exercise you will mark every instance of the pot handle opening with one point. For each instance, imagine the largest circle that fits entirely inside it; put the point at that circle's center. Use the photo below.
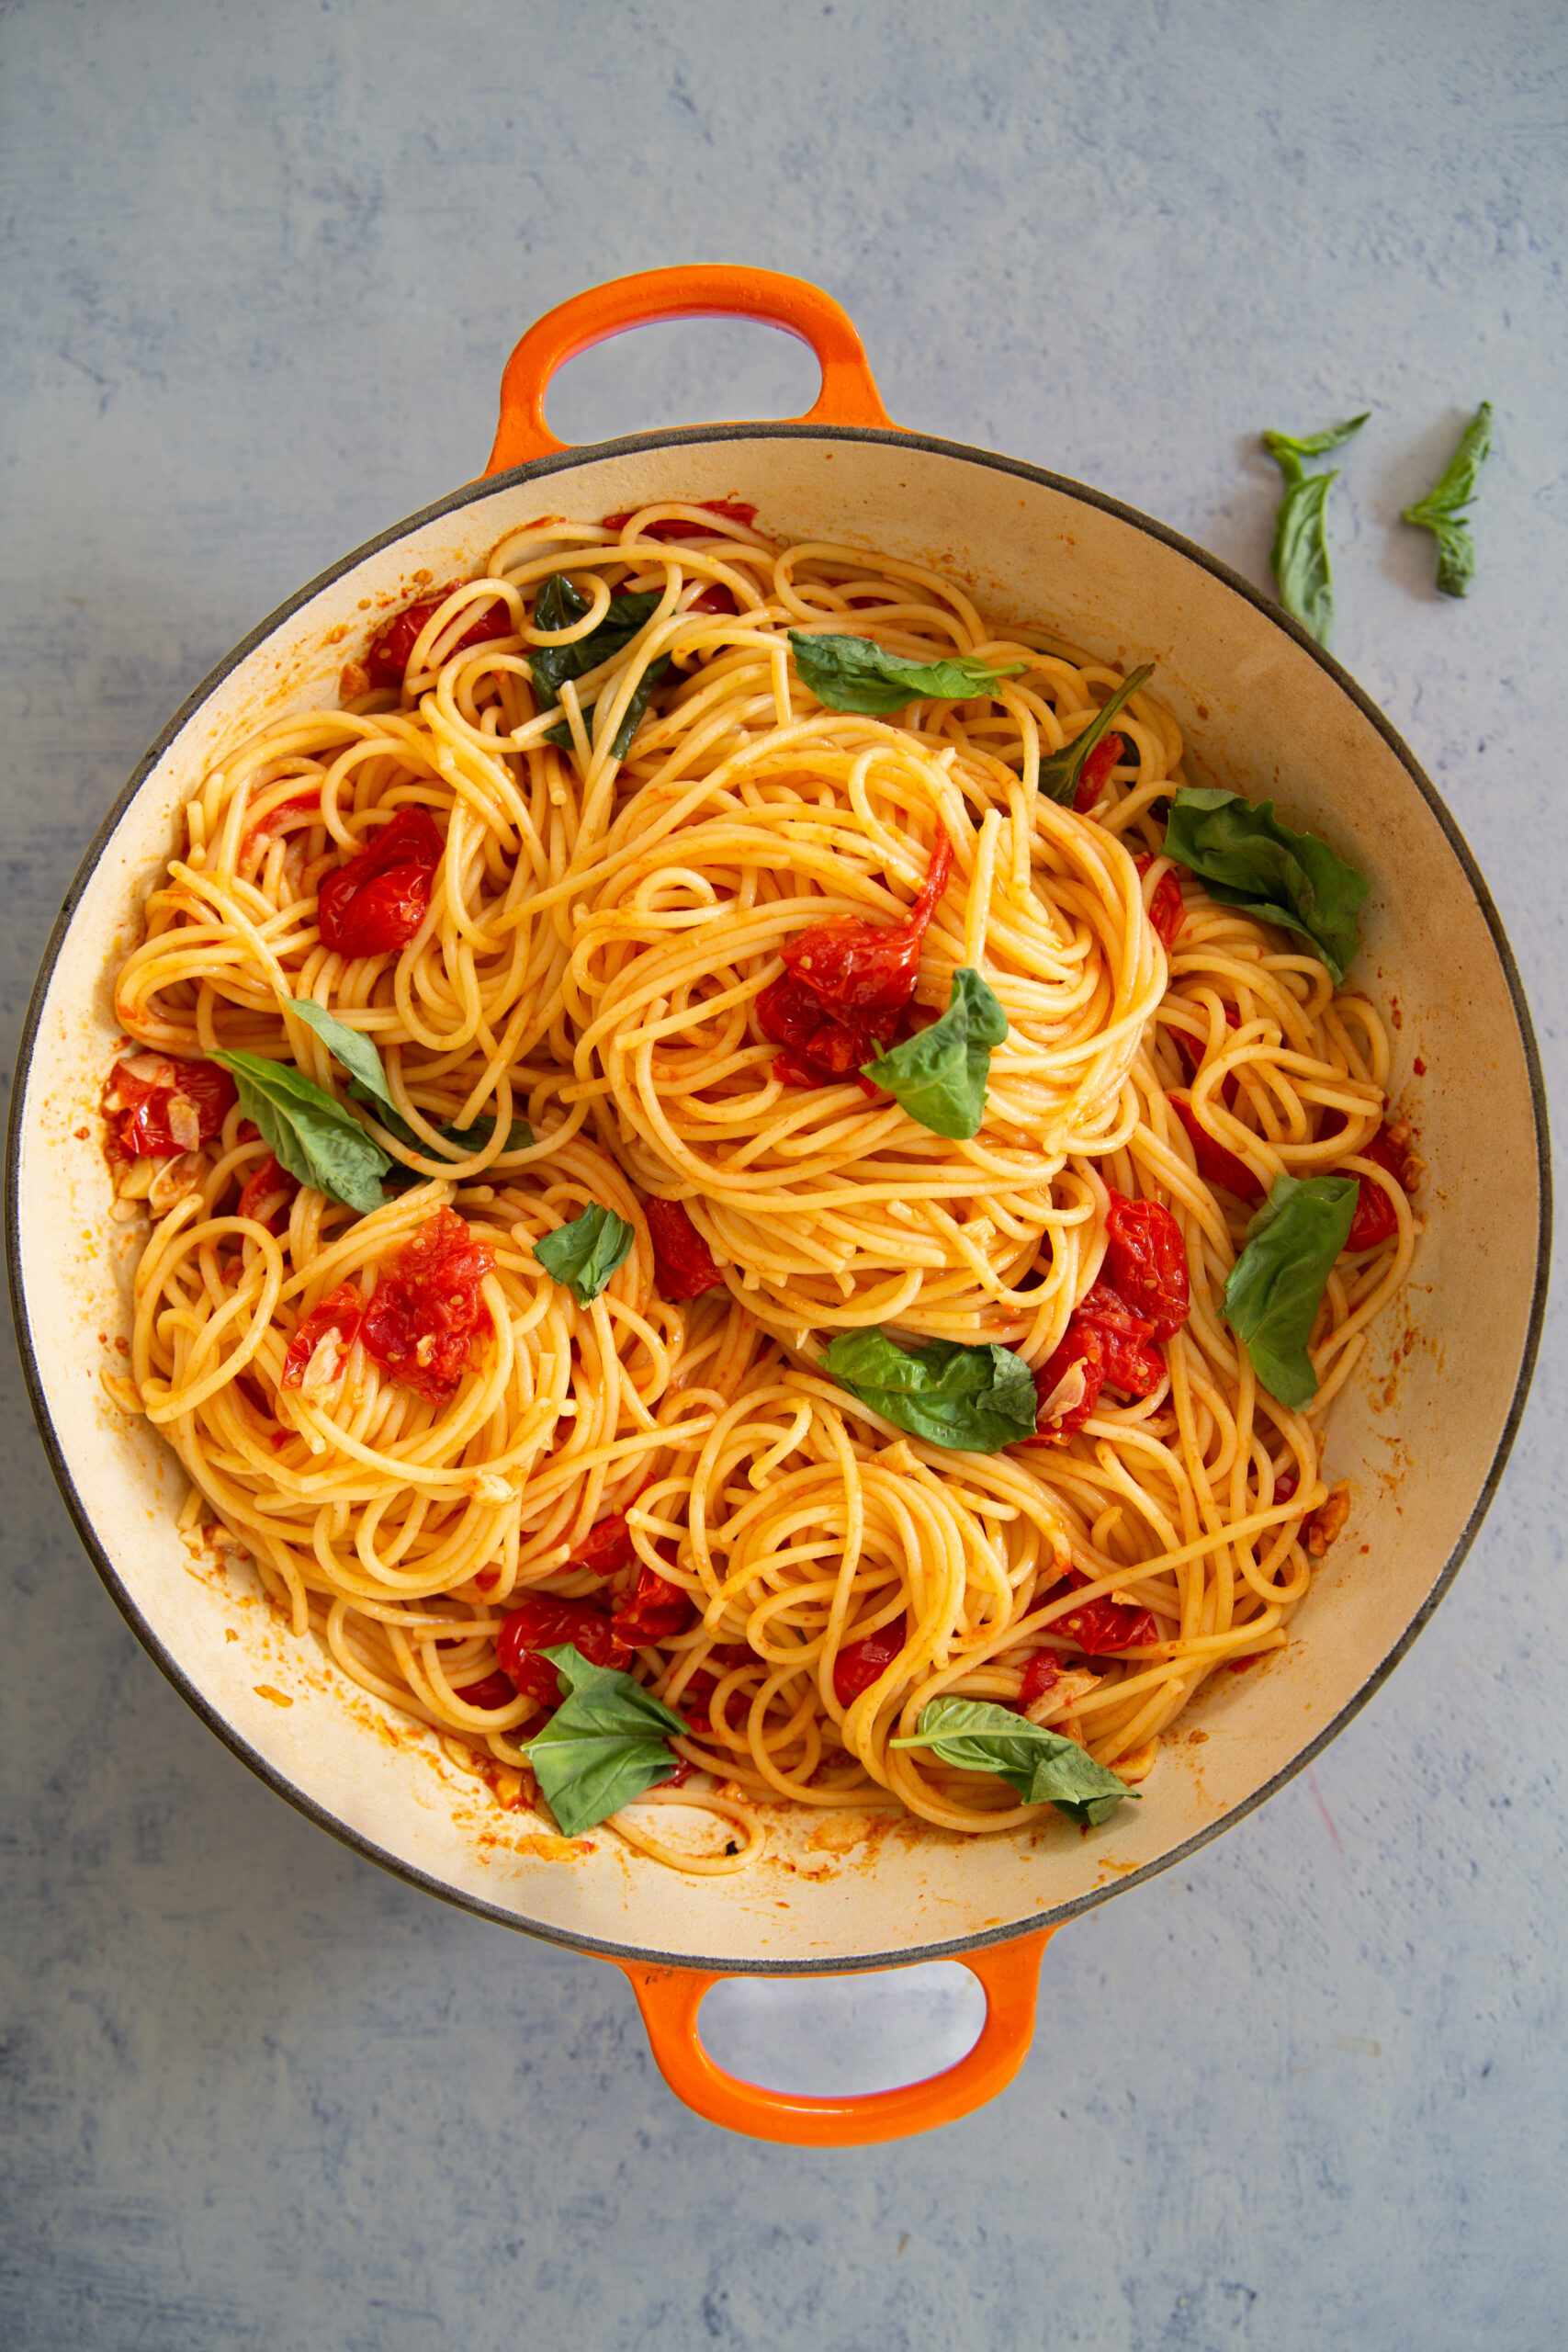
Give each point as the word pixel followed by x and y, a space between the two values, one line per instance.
pixel 670 1999
pixel 699 290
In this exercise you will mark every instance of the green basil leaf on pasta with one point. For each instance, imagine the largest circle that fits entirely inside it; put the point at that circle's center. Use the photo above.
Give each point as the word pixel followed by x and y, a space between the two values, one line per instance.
pixel 1245 858
pixel 585 1254
pixel 1300 555
pixel 1060 771
pixel 309 1130
pixel 975 1736
pixel 1276 1286
pixel 351 1048
pixel 939 1077
pixel 854 673
pixel 607 1742
pixel 1442 511
pixel 519 1137
pixel 974 1399
pixel 559 604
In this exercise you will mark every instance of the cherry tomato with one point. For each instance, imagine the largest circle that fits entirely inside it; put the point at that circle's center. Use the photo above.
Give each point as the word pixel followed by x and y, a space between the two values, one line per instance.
pixel 860 1664
pixel 1149 1262
pixel 1191 1055
pixel 606 1548
pixel 1043 1670
pixel 820 1047
pixel 376 902
pixel 495 1690
pixel 1082 1348
pixel 1285 1486
pixel 338 1317
pixel 1131 1364
pixel 682 1267
pixel 869 967
pixel 1095 773
pixel 1215 1164
pixel 544 1621
pixel 268 1195
pixel 656 1610
pixel 714 599
pixel 427 1310
pixel 676 526
pixel 1375 1219
pixel 156 1105
pixel 1166 910
pixel 388 658
pixel 1102 1627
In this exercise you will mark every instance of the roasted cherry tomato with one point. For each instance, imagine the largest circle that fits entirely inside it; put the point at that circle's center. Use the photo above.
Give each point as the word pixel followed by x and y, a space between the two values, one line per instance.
pixel 676 526
pixel 860 1664
pixel 657 1610
pixel 156 1105
pixel 1167 910
pixel 683 1266
pixel 869 967
pixel 388 658
pixel 1375 1219
pixel 1285 1486
pixel 1102 1627
pixel 544 1621
pixel 376 902
pixel 427 1310
pixel 1131 1364
pixel 820 1047
pixel 1095 773
pixel 716 598
pixel 336 1322
pixel 1079 1358
pixel 1215 1164
pixel 268 1195
pixel 606 1548
pixel 1043 1670
pixel 495 1690
pixel 1149 1262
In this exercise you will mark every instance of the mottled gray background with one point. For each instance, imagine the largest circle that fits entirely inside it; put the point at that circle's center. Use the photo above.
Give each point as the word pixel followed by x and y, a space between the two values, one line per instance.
pixel 264 263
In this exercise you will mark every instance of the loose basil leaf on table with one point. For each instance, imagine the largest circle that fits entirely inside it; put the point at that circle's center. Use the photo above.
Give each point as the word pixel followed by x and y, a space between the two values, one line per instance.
pixel 1442 511
pixel 974 1399
pixel 1245 857
pixel 1300 555
pixel 519 1137
pixel 1276 1286
pixel 310 1132
pixel 1060 771
pixel 975 1736
pixel 607 1742
pixel 559 604
pixel 854 673
pixel 585 1253
pixel 939 1077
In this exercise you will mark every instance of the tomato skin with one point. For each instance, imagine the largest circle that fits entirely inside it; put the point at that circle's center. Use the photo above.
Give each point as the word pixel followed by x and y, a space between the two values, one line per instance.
pixel 1042 1672
pixel 146 1091
pixel 544 1621
pixel 1080 1344
pixel 676 526
pixel 387 660
pixel 717 598
pixel 1215 1164
pixel 682 1267
pixel 860 1664
pixel 1111 1344
pixel 341 1313
pixel 1148 1264
pixel 1095 773
pixel 268 1195
pixel 374 901
pixel 1167 910
pixel 656 1610
pixel 1285 1486
pixel 426 1309
pixel 869 967
pixel 1102 1627
pixel 819 1050
pixel 1375 1219
pixel 495 1690
pixel 606 1548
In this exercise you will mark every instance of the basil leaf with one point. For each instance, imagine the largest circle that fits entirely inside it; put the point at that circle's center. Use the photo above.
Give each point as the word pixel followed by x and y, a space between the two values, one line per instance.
pixel 854 673
pixel 519 1136
pixel 585 1253
pixel 939 1078
pixel 976 1737
pixel 1245 858
pixel 351 1048
pixel 608 1741
pixel 1276 1286
pixel 976 1399
pixel 1300 555
pixel 309 1130
pixel 1060 771
pixel 558 606
pixel 1441 511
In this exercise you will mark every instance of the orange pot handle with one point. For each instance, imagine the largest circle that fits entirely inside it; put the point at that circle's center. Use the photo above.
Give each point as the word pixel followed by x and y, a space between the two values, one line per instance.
pixel 670 1997
pixel 699 290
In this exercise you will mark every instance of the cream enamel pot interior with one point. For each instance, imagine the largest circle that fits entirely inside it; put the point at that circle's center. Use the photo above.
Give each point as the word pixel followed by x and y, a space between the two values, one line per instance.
pixel 1423 1444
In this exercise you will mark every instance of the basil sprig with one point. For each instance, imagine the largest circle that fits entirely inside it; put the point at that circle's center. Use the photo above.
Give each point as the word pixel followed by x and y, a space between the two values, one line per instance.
pixel 855 674
pixel 309 1130
pixel 1276 1286
pixel 1442 511
pixel 585 1253
pixel 559 604
pixel 975 1399
pixel 975 1736
pixel 939 1077
pixel 607 1742
pixel 1245 858
pixel 367 1084
pixel 1300 554
pixel 1060 771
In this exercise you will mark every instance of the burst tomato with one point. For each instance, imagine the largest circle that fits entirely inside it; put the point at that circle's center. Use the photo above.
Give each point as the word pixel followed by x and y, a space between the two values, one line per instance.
pixel 1167 910
pixel 682 1267
pixel 156 1105
pixel 427 1310
pixel 1095 773
pixel 1376 1219
pixel 544 1621
pixel 677 527
pixel 388 658
pixel 321 1341
pixel 657 1610
pixel 375 902
pixel 606 1548
pixel 268 1195
pixel 869 967
pixel 1102 1627
pixel 1149 1262
pixel 1215 1164
pixel 860 1664
pixel 1042 1672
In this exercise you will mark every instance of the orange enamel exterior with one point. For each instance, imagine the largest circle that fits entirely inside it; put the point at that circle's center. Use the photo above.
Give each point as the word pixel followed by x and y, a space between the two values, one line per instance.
pixel 705 291
pixel 670 1999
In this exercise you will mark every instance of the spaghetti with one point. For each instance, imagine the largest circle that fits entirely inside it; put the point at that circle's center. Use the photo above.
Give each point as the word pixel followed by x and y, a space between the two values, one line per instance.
pixel 554 859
